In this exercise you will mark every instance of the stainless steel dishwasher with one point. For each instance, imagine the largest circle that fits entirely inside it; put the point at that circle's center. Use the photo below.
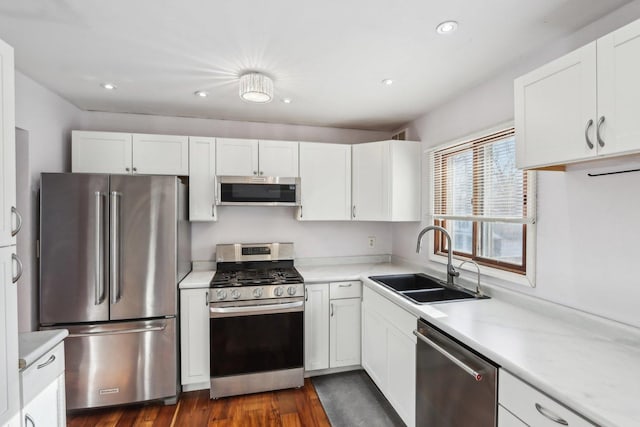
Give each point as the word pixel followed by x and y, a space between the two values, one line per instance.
pixel 454 385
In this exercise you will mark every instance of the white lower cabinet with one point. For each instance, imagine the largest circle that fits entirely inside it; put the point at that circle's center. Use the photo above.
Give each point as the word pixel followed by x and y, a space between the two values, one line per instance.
pixel 389 352
pixel 532 406
pixel 316 327
pixel 507 419
pixel 332 325
pixel 194 338
pixel 43 391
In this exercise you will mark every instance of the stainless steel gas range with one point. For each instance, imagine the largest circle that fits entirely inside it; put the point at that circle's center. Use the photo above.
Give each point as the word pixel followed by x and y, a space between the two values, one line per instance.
pixel 256 320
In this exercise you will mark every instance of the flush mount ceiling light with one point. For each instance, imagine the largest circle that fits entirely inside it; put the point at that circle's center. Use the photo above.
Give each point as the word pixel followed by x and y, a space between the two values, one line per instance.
pixel 446 27
pixel 201 93
pixel 108 86
pixel 256 87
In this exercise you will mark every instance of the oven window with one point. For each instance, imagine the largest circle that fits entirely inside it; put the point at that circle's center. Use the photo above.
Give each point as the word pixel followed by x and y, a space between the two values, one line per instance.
pixel 283 193
pixel 251 344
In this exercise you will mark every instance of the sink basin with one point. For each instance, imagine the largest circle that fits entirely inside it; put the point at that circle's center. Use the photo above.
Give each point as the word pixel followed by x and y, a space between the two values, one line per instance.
pixel 408 282
pixel 422 289
pixel 435 295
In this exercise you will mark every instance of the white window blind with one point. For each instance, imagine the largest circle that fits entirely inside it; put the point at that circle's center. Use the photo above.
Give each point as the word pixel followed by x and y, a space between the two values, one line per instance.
pixel 477 180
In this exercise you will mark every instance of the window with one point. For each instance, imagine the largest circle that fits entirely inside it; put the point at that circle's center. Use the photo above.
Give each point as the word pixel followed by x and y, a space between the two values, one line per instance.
pixel 482 200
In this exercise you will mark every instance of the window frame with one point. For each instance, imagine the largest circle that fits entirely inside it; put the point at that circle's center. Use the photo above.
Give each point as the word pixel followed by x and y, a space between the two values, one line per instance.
pixel 495 271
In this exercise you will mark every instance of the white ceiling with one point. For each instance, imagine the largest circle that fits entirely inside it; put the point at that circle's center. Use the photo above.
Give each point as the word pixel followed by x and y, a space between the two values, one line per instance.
pixel 328 56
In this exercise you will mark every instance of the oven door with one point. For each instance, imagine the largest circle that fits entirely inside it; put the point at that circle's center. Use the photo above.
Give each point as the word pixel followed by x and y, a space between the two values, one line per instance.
pixel 255 337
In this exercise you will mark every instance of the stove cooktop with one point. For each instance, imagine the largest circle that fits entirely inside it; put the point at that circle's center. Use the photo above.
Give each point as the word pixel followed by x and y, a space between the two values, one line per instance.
pixel 252 277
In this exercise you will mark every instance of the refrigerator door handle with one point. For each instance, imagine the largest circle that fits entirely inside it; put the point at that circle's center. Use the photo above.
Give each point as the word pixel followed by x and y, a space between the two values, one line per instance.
pixel 99 273
pixel 120 331
pixel 115 249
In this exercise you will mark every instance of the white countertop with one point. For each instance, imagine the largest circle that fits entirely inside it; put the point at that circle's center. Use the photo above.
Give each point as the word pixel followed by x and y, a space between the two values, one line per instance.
pixel 590 364
pixel 32 345
pixel 197 279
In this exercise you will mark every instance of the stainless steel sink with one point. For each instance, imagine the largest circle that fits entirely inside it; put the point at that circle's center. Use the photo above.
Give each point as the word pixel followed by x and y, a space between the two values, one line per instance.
pixel 422 289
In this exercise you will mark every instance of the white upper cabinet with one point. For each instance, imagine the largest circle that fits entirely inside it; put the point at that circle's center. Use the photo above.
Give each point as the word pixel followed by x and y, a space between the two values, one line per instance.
pixel 125 153
pixel 325 182
pixel 555 110
pixel 236 157
pixel 101 152
pixel 202 179
pixel 583 105
pixel 9 219
pixel 160 154
pixel 278 158
pixel 386 181
pixel 248 157
pixel 619 90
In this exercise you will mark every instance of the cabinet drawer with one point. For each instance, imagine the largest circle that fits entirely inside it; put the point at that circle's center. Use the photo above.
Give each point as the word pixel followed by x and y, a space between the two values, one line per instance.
pixel 532 406
pixel 339 290
pixel 42 372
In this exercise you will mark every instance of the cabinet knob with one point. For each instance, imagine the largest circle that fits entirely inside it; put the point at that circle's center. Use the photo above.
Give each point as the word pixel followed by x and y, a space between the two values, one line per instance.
pixel 255 172
pixel 135 169
pixel 261 173
pixel 126 169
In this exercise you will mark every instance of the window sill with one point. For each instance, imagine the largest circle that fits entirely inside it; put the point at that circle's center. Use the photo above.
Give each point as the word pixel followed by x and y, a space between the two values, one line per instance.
pixel 489 275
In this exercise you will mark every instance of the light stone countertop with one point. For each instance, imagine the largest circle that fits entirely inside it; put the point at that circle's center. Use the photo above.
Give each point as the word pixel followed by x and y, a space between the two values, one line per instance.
pixel 197 279
pixel 590 364
pixel 32 345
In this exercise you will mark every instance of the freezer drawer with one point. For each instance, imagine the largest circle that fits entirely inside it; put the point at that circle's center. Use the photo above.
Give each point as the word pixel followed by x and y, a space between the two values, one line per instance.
pixel 123 362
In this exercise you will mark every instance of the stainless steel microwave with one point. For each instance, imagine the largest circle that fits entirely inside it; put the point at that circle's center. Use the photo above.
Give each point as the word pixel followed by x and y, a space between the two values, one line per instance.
pixel 258 191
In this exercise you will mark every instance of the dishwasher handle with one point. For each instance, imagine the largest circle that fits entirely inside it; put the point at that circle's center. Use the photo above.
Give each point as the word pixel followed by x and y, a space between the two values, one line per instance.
pixel 475 374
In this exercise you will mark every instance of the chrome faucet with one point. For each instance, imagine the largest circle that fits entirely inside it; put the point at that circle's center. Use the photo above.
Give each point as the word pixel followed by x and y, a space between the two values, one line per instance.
pixel 451 272
pixel 478 290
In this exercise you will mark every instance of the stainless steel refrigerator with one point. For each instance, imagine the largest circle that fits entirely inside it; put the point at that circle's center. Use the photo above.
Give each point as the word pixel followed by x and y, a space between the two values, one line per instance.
pixel 112 250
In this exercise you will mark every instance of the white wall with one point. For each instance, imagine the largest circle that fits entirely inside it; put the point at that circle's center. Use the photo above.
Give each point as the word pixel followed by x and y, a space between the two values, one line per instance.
pixel 588 228
pixel 47 120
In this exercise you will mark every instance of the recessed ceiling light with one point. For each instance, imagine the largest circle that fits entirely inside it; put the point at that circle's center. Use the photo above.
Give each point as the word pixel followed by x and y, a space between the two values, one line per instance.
pixel 287 100
pixel 201 93
pixel 446 27
pixel 387 82
pixel 108 86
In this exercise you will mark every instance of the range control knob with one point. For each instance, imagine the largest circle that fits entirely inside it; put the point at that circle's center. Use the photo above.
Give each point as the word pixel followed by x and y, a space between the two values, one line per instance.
pixel 257 292
pixel 235 294
pixel 278 291
pixel 221 294
pixel 292 290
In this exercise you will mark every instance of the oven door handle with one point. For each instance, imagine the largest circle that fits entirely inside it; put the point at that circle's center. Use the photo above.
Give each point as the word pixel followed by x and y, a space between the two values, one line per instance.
pixel 253 310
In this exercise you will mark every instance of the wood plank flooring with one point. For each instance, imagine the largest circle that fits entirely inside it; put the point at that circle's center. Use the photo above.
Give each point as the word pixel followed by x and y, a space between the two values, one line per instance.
pixel 282 408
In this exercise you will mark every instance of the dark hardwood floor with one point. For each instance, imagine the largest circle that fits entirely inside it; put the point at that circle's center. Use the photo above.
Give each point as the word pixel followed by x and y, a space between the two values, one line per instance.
pixel 285 408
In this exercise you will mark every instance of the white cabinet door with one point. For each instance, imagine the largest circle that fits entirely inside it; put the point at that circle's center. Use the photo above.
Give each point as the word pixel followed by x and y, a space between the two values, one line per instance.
pixel 401 371
pixel 278 158
pixel 619 90
pixel 9 384
pixel 42 410
pixel 194 335
pixel 316 327
pixel 236 157
pixel 370 181
pixel 344 332
pixel 202 179
pixel 101 152
pixel 507 419
pixel 7 147
pixel 555 111
pixel 325 182
pixel 160 154
pixel 374 346
pixel 405 181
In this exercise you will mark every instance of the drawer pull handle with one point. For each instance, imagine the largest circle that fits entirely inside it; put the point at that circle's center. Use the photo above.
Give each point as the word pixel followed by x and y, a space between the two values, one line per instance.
pixel 598 136
pixel 342 285
pixel 586 134
pixel 48 362
pixel 550 415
